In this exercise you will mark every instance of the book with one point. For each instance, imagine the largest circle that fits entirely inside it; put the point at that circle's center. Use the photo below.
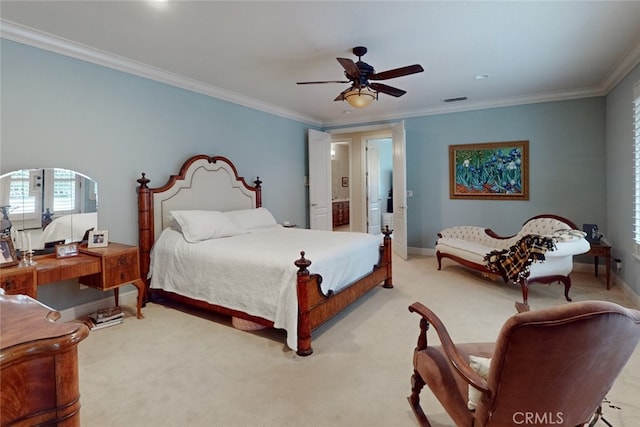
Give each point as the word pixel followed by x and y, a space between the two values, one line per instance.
pixel 107 314
pixel 93 325
pixel 106 324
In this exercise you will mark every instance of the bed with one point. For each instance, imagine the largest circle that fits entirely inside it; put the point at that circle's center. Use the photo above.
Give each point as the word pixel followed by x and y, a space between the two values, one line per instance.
pixel 247 266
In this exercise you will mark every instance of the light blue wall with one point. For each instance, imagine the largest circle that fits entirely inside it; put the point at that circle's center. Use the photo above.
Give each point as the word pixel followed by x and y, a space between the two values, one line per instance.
pixel 57 111
pixel 567 174
pixel 619 167
pixel 111 126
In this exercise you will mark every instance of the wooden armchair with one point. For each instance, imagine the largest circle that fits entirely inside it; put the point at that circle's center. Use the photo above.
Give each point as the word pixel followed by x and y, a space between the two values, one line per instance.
pixel 551 366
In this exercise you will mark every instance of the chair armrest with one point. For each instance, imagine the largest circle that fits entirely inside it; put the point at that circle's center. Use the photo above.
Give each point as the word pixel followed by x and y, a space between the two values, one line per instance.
pixel 452 353
pixel 495 235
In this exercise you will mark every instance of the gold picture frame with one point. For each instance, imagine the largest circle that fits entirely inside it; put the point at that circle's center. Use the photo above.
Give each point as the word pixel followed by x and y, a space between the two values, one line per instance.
pixel 8 257
pixel 492 170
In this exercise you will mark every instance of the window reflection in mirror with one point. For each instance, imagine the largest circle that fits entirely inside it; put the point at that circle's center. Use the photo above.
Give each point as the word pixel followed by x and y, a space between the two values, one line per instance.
pixel 50 205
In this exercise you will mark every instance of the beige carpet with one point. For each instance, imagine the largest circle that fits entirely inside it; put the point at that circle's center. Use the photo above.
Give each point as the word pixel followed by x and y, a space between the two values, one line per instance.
pixel 178 369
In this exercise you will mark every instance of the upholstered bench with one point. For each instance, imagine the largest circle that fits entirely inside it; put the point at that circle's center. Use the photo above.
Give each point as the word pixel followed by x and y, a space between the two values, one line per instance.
pixel 472 245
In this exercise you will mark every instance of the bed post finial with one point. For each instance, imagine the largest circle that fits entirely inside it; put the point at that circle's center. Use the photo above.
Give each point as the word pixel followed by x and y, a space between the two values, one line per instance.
pixel 257 182
pixel 143 181
pixel 302 264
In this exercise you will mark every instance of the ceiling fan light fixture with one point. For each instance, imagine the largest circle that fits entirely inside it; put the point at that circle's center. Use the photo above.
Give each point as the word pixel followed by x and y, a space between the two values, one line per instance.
pixel 360 97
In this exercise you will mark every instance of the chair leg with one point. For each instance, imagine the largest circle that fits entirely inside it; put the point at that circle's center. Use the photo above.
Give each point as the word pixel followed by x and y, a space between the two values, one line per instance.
pixel 524 285
pixel 566 281
pixel 598 416
pixel 417 383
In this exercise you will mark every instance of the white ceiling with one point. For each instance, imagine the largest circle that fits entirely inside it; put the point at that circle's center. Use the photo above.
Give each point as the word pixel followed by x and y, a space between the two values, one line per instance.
pixel 253 53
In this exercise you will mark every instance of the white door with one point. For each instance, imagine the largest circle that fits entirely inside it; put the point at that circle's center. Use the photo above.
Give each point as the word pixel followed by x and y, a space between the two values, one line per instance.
pixel 399 191
pixel 374 215
pixel 320 216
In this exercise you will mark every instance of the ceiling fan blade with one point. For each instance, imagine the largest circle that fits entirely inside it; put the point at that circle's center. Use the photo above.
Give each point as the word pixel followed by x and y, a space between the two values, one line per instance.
pixel 341 96
pixel 328 81
pixel 350 67
pixel 397 72
pixel 389 90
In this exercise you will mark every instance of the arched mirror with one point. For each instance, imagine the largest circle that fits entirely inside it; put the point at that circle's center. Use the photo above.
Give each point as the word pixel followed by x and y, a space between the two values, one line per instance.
pixel 42 207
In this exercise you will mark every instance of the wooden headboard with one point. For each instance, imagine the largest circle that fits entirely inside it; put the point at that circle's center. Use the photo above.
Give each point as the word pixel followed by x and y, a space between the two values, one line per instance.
pixel 205 183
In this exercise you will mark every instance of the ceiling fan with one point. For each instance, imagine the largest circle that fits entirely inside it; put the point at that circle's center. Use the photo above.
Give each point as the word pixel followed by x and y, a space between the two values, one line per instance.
pixel 362 92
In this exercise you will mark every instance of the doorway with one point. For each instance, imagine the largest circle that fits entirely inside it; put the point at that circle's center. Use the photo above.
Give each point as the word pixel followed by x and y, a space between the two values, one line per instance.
pixel 356 180
pixel 340 186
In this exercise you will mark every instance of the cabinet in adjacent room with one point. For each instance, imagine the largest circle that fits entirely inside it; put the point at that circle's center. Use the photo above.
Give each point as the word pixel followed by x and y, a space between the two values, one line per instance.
pixel 340 213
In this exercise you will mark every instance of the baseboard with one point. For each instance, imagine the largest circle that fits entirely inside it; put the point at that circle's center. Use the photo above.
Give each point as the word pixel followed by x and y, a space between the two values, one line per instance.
pixel 129 298
pixel 421 251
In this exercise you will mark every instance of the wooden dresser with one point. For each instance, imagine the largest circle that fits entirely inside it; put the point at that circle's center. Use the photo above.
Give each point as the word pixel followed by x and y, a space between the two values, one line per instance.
pixel 39 364
pixel 340 213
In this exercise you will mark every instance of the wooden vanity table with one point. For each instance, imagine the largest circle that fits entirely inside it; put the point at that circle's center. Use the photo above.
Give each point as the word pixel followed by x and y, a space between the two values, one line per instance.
pixel 106 268
pixel 39 364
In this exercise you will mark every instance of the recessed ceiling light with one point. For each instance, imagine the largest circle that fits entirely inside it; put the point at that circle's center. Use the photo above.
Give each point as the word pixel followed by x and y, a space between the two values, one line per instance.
pixel 346 112
pixel 482 76
pixel 159 4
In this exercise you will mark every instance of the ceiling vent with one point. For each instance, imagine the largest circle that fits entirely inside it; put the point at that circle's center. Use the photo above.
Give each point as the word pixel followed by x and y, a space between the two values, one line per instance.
pixel 456 99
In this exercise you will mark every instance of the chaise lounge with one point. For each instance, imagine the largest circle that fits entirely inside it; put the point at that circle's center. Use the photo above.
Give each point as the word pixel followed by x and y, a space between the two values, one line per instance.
pixel 541 252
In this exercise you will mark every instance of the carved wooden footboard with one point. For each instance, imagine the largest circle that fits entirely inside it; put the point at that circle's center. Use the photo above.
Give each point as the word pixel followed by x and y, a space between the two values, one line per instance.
pixel 216 178
pixel 315 308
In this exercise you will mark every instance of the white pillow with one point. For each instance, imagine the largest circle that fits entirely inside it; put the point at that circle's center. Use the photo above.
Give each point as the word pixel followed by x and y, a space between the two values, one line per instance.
pixel 252 219
pixel 198 225
pixel 481 366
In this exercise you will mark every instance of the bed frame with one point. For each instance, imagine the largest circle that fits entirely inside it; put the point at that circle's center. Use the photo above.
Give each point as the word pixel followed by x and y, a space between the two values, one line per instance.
pixel 212 183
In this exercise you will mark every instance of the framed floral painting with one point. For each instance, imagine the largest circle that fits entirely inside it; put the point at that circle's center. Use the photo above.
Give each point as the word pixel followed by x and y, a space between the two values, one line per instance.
pixel 493 170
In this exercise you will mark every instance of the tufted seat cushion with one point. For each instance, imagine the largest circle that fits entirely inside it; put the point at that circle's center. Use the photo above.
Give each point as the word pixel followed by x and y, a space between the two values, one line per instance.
pixel 467 249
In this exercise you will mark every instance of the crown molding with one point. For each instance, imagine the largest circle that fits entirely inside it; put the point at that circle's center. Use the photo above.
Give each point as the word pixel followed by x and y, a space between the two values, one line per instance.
pixel 619 71
pixel 28 36
pixel 481 105
pixel 25 35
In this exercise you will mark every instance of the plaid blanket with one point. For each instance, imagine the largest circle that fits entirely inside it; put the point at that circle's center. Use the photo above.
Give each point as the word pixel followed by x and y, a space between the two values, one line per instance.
pixel 514 263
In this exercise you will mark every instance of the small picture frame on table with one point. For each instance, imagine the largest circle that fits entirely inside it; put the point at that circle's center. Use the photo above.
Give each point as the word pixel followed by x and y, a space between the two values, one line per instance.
pixel 8 257
pixel 68 250
pixel 98 239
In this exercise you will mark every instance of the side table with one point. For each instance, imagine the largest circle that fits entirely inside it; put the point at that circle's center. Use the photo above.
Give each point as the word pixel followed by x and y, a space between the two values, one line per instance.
pixel 601 249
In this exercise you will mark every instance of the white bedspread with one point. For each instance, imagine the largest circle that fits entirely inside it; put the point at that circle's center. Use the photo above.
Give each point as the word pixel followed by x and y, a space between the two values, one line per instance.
pixel 255 272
